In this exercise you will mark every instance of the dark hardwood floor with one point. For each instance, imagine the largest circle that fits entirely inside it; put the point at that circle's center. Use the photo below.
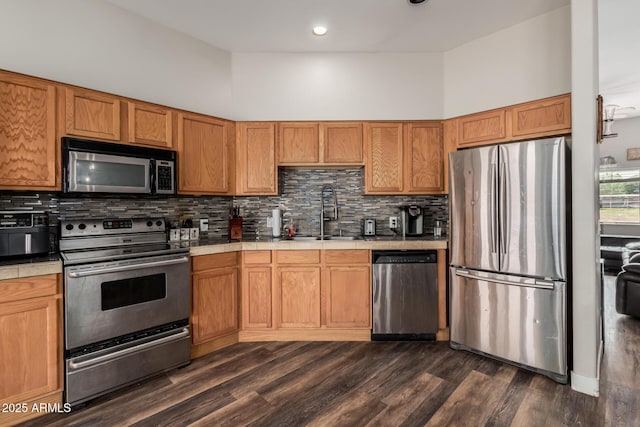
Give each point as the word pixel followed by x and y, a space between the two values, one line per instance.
pixel 375 383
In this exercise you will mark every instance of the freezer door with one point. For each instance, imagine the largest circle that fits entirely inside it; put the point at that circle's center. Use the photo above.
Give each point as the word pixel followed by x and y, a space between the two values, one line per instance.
pixel 512 318
pixel 473 208
pixel 532 208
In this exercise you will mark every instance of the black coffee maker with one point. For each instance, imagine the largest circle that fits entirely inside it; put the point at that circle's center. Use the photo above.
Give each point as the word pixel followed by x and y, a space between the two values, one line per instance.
pixel 413 220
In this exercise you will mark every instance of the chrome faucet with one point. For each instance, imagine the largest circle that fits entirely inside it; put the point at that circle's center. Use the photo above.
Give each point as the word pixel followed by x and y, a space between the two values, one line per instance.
pixel 332 193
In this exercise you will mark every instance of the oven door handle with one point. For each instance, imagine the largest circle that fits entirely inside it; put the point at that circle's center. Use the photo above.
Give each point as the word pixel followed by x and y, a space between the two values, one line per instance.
pixel 75 274
pixel 126 351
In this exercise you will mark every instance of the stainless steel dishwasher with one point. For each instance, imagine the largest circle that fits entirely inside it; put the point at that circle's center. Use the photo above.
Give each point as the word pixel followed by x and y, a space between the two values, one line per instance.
pixel 405 295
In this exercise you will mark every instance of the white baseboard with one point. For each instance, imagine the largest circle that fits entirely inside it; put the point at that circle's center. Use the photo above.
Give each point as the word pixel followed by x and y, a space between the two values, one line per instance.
pixel 586 385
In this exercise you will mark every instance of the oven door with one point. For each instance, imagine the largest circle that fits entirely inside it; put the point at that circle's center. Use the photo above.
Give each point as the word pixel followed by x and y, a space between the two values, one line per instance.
pixel 104 173
pixel 107 300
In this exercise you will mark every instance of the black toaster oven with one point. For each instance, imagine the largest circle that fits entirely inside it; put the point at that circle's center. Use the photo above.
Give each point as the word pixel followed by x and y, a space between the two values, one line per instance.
pixel 23 233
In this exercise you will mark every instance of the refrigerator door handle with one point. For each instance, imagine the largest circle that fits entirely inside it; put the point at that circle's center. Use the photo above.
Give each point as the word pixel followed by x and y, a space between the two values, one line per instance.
pixel 493 204
pixel 527 283
pixel 504 215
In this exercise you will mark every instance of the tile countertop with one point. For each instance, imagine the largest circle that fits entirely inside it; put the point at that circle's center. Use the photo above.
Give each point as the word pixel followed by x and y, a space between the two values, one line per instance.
pixel 52 264
pixel 37 266
pixel 206 247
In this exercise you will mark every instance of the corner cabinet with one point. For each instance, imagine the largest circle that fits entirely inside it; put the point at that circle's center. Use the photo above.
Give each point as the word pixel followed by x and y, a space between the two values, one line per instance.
pixel 214 308
pixel 91 114
pixel 30 343
pixel 205 153
pixel 404 158
pixel 28 144
pixel 257 173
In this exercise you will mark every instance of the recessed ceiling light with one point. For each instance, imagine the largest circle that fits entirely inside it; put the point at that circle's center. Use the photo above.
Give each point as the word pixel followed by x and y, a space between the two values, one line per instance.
pixel 319 30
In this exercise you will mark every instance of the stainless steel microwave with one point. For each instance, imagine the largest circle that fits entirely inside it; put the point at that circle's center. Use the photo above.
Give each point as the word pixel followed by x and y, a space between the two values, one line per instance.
pixel 102 167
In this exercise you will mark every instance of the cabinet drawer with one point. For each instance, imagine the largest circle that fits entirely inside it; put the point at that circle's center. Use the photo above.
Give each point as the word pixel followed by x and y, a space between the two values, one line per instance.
pixel 298 257
pixel 205 262
pixel 256 257
pixel 347 257
pixel 28 287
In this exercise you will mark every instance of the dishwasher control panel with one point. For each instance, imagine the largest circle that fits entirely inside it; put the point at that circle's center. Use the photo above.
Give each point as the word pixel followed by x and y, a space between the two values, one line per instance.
pixel 404 257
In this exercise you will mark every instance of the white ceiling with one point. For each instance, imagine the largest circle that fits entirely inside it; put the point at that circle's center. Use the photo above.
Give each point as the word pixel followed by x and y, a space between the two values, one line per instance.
pixel 393 26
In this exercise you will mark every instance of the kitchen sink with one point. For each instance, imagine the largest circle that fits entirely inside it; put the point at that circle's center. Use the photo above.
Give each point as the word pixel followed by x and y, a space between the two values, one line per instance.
pixel 304 238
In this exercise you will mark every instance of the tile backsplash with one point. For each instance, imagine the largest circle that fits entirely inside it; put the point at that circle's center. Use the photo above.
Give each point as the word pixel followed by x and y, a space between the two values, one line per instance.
pixel 299 200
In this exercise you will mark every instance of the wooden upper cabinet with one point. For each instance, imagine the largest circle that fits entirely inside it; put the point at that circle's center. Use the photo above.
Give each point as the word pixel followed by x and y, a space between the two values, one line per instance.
pixel 150 125
pixel 450 142
pixel 92 114
pixel 203 155
pixel 383 151
pixel 543 117
pixel 423 164
pixel 482 127
pixel 298 143
pixel 256 158
pixel 28 143
pixel 341 142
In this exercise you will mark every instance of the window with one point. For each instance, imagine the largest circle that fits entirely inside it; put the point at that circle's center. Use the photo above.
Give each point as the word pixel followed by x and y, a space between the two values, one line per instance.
pixel 620 195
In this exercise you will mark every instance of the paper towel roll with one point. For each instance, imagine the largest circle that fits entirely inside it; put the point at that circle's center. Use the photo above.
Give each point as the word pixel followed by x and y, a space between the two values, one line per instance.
pixel 276 222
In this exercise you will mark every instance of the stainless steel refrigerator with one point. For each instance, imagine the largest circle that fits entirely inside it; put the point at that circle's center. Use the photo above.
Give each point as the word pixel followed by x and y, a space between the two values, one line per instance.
pixel 508 272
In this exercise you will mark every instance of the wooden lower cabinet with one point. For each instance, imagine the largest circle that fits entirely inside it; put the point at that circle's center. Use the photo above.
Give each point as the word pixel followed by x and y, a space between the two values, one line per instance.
pixel 298 297
pixel 30 343
pixel 256 290
pixel 214 310
pixel 348 296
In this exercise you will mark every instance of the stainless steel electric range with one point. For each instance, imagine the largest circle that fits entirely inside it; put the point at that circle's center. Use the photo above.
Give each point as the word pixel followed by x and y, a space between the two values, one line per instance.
pixel 126 304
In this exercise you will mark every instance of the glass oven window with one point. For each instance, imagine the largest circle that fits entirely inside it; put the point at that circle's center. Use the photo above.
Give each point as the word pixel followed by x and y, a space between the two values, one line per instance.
pixel 134 290
pixel 93 172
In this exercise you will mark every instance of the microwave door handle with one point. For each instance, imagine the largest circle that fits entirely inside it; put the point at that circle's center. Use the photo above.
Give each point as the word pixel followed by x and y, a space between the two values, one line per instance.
pixel 152 174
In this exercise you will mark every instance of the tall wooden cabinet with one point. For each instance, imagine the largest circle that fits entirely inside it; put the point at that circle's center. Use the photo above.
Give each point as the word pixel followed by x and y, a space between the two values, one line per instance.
pixel 214 309
pixel 30 342
pixel 28 144
pixel 256 169
pixel 403 158
pixel 205 153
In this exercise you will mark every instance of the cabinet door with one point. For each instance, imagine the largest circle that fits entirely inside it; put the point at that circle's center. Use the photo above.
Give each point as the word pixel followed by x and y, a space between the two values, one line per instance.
pixel 383 163
pixel 424 158
pixel 215 304
pixel 203 155
pixel 256 297
pixel 299 297
pixel 348 296
pixel 92 114
pixel 28 144
pixel 549 116
pixel 256 160
pixel 150 125
pixel 342 142
pixel 298 143
pixel 490 126
pixel 28 348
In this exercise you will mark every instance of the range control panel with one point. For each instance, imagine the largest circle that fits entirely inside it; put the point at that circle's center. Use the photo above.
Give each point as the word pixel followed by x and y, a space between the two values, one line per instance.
pixel 103 227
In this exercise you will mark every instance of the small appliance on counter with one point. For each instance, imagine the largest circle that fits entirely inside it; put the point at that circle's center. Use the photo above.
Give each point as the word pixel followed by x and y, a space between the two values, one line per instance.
pixel 235 224
pixel 23 233
pixel 368 227
pixel 412 220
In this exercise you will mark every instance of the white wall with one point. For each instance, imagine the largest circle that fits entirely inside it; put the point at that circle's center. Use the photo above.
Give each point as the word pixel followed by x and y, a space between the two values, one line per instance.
pixel 586 303
pixel 528 61
pixel 628 131
pixel 97 45
pixel 337 86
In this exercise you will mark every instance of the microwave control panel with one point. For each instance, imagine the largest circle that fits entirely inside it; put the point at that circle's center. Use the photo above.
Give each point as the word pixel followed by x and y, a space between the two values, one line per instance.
pixel 164 177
